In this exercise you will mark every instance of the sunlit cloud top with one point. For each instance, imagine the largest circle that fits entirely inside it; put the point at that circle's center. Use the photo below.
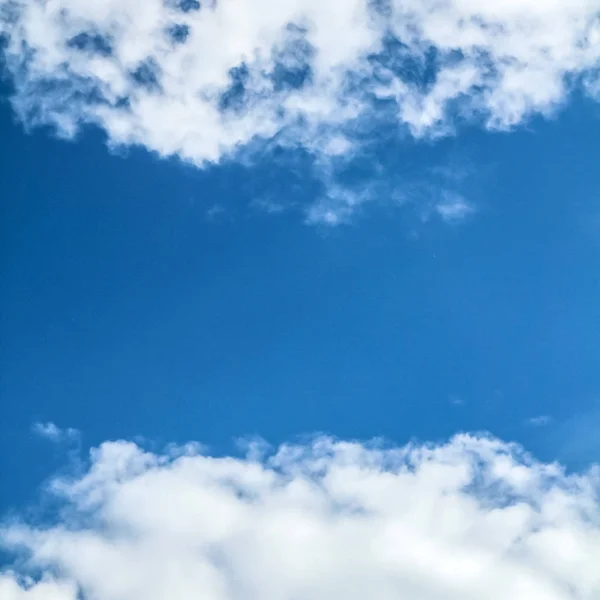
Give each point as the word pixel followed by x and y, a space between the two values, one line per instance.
pixel 473 518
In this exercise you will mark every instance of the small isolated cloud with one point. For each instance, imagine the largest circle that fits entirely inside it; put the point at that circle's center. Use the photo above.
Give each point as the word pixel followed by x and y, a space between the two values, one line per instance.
pixel 206 80
pixel 540 421
pixel 438 195
pixel 456 400
pixel 269 205
pixel 473 518
pixel 52 432
pixel 453 208
pixel 215 211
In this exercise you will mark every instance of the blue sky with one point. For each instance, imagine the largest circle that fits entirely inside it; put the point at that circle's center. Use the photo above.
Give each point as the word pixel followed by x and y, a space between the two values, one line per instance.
pixel 337 277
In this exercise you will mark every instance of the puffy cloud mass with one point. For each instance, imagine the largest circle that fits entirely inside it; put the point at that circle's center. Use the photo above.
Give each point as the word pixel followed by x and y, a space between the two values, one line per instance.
pixel 201 78
pixel 206 79
pixel 473 518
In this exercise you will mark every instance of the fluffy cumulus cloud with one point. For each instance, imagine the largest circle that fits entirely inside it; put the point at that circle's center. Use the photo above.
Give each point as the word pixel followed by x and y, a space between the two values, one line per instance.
pixel 202 79
pixel 473 518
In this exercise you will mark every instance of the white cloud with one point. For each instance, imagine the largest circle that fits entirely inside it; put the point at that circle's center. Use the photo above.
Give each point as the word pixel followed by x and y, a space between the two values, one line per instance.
pixel 13 587
pixel 453 208
pixel 52 432
pixel 474 518
pixel 201 84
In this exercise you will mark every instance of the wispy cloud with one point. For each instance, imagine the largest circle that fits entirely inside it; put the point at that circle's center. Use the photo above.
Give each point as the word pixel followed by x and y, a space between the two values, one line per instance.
pixel 53 433
pixel 453 208
pixel 215 211
pixel 473 518
pixel 456 400
pixel 203 80
pixel 540 421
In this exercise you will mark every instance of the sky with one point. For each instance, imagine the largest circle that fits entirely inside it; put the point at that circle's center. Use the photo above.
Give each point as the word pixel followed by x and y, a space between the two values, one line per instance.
pixel 299 299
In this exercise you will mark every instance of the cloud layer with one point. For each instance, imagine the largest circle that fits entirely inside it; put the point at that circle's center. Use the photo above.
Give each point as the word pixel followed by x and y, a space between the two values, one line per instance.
pixel 199 79
pixel 203 80
pixel 474 518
